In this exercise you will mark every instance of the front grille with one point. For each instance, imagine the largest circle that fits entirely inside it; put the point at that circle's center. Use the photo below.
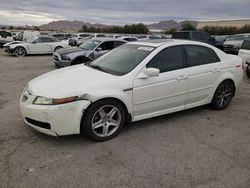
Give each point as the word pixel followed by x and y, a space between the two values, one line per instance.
pixel 38 123
pixel 229 46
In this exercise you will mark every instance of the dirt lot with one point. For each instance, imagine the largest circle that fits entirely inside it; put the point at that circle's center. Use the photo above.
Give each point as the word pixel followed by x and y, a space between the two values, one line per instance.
pixel 198 148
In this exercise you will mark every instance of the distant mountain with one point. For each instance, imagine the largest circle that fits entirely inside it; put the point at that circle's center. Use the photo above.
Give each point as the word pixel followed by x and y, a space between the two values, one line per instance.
pixel 65 25
pixel 169 24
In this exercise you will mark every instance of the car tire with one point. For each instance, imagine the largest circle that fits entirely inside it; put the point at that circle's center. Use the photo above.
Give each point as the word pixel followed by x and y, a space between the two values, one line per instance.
pixel 223 95
pixel 58 48
pixel 20 51
pixel 248 71
pixel 103 120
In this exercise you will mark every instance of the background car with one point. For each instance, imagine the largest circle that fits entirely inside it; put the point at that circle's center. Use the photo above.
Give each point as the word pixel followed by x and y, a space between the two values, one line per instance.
pixel 220 39
pixel 5 37
pixel 79 38
pixel 244 53
pixel 128 38
pixel 195 36
pixel 41 45
pixel 135 81
pixel 234 43
pixel 86 52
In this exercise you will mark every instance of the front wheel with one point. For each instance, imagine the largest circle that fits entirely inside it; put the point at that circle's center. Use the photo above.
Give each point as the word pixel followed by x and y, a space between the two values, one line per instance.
pixel 248 71
pixel 20 52
pixel 103 120
pixel 223 95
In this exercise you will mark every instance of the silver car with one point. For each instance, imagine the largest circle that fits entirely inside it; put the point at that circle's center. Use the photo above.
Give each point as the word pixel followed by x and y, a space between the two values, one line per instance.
pixel 86 52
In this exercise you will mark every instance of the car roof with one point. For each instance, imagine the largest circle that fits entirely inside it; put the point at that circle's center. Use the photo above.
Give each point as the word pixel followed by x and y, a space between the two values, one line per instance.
pixel 159 42
pixel 104 39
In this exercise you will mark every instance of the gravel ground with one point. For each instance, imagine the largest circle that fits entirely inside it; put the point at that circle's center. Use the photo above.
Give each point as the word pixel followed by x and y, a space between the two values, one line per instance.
pixel 197 148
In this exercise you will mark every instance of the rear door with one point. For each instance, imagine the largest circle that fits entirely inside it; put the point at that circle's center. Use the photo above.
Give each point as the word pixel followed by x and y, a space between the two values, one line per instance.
pixel 204 68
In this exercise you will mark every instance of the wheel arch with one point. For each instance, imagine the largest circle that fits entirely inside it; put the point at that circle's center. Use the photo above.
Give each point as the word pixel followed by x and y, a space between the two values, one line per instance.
pixel 128 116
pixel 57 47
pixel 19 46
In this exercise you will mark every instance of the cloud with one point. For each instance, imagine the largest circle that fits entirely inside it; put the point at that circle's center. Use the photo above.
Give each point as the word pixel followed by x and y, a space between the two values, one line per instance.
pixel 36 12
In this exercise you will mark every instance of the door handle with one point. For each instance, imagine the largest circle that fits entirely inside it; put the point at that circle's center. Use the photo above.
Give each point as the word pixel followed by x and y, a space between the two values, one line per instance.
pixel 182 77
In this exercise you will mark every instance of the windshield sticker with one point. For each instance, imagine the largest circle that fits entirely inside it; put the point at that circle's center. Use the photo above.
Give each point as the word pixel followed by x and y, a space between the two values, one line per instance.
pixel 149 49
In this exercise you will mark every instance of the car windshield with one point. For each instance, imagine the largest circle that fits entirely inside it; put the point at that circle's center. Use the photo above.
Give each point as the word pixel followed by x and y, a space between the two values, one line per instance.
pixel 238 37
pixel 90 44
pixel 122 60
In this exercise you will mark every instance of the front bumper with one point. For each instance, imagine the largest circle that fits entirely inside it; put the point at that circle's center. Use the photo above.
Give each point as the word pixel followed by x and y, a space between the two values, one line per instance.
pixel 230 49
pixel 7 49
pixel 59 63
pixel 54 120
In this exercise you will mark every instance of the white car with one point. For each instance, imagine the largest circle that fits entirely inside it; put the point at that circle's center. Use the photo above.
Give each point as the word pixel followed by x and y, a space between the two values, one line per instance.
pixel 41 45
pixel 244 53
pixel 135 81
pixel 234 43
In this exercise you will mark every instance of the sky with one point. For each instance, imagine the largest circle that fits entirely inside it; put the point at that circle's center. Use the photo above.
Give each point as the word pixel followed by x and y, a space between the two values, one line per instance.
pixel 120 12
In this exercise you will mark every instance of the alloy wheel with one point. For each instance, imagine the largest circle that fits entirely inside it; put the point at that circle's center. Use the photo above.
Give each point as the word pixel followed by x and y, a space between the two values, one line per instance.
pixel 106 121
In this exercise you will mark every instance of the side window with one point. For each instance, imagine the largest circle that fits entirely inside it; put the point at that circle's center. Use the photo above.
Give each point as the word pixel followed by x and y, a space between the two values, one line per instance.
pixel 109 45
pixel 205 36
pixel 118 43
pixel 168 59
pixel 36 41
pixel 199 55
pixel 45 40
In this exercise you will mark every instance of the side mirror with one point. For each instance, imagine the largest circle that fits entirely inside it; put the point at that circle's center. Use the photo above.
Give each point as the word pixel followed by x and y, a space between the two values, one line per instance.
pixel 149 72
pixel 98 49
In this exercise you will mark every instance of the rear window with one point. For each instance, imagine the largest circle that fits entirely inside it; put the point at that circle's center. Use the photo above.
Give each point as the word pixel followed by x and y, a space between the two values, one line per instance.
pixel 246 45
pixel 181 35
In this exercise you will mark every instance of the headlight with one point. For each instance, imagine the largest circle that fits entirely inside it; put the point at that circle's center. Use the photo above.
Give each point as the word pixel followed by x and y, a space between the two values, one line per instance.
pixel 49 101
pixel 64 57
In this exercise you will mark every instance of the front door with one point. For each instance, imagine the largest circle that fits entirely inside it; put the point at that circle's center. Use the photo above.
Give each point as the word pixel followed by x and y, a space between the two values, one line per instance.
pixel 166 93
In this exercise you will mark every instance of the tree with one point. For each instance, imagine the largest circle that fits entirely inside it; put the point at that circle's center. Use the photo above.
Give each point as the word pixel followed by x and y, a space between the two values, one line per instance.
pixel 187 26
pixel 170 31
pixel 11 27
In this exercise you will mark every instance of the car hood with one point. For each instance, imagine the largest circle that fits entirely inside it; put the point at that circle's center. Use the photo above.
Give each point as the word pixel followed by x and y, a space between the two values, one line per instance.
pixel 71 81
pixel 14 42
pixel 233 42
pixel 70 50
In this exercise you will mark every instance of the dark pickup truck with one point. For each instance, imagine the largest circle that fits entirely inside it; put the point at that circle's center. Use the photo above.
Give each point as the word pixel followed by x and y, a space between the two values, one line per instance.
pixel 196 36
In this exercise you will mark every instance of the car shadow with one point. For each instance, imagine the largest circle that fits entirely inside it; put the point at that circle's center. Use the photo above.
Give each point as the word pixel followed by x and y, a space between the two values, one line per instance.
pixel 133 127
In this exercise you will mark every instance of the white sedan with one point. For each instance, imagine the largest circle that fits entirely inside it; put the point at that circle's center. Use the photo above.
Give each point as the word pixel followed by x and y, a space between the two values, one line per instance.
pixel 40 45
pixel 135 81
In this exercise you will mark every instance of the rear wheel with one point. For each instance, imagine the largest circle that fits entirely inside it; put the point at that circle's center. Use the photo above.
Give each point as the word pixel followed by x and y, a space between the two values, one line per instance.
pixel 20 51
pixel 103 120
pixel 223 95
